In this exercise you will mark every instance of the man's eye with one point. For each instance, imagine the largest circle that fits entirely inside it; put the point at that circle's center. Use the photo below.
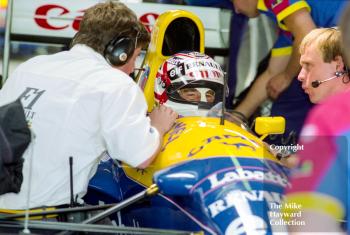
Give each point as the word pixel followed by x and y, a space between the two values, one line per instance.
pixel 306 67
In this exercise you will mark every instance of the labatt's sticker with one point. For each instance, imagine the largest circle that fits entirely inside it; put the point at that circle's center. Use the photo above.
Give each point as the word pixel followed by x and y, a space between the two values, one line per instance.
pixel 239 196
pixel 241 174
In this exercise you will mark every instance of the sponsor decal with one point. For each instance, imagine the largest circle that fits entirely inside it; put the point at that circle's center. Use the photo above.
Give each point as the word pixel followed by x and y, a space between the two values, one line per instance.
pixel 44 15
pixel 202 64
pixel 29 97
pixel 230 140
pixel 231 199
pixel 174 60
pixel 174 134
pixel 250 224
pixel 241 174
pixel 148 20
pixel 45 12
pixel 176 72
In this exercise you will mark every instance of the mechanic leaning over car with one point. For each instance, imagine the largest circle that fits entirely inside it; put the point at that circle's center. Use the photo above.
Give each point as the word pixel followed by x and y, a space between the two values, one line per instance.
pixel 82 103
pixel 321 182
pixel 295 18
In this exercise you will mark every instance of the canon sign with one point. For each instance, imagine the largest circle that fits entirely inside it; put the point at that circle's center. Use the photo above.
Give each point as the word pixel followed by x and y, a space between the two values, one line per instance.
pixel 57 21
pixel 44 13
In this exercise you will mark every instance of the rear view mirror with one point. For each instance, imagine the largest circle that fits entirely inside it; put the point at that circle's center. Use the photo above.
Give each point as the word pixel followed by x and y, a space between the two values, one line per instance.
pixel 265 126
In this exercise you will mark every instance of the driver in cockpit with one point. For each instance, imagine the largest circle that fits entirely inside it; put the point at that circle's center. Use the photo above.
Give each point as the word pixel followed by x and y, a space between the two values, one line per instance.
pixel 192 84
pixel 189 82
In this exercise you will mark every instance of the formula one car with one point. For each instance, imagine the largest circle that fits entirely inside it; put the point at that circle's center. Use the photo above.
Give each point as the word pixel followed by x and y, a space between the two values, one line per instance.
pixel 213 175
pixel 215 178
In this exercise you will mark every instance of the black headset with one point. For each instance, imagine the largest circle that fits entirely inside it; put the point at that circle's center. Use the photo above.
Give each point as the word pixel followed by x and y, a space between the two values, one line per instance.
pixel 119 50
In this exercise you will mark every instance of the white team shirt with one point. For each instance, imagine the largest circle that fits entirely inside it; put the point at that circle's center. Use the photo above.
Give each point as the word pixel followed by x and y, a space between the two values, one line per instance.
pixel 79 106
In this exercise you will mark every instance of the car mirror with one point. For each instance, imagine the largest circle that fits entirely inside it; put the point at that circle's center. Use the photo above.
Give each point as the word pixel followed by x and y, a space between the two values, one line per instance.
pixel 265 126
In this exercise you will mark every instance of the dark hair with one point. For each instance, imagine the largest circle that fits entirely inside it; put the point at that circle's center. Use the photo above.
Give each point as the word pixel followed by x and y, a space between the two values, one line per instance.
pixel 345 28
pixel 104 21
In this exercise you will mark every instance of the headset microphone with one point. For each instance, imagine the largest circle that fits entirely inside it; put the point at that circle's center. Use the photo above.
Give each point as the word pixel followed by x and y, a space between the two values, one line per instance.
pixel 317 83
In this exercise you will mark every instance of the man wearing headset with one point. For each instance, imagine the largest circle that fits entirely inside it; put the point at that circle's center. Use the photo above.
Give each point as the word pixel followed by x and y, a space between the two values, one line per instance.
pixel 294 19
pixel 321 182
pixel 323 69
pixel 82 103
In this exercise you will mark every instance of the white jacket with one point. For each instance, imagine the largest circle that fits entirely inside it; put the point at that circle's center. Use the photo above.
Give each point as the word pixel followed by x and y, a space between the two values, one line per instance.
pixel 77 105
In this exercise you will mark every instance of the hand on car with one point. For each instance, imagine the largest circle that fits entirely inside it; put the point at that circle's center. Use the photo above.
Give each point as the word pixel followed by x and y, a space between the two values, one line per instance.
pixel 162 118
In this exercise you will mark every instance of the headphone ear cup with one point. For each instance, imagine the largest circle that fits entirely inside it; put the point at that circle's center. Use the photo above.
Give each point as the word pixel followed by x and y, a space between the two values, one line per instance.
pixel 118 51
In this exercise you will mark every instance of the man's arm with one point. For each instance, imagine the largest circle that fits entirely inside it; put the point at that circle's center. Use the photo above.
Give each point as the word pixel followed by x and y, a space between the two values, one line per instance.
pixel 257 93
pixel 162 119
pixel 299 24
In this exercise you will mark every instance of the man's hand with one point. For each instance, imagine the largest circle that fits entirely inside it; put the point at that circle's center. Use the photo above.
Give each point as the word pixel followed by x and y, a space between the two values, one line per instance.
pixel 277 85
pixel 162 118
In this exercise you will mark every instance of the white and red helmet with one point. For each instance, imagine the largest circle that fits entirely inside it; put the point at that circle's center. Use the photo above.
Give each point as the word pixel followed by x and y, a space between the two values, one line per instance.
pixel 188 82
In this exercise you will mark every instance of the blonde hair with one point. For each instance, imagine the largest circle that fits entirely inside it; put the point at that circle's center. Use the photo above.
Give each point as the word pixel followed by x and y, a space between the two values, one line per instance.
pixel 326 40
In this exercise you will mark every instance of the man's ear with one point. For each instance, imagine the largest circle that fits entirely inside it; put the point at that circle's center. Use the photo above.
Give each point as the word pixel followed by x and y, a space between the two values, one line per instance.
pixel 340 62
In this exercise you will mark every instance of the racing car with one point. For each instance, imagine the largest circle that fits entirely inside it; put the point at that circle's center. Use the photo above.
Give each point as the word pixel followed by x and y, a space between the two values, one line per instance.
pixel 213 173
pixel 215 178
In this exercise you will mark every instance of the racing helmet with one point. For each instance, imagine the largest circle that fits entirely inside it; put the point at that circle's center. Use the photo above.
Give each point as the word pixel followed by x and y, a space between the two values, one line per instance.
pixel 190 83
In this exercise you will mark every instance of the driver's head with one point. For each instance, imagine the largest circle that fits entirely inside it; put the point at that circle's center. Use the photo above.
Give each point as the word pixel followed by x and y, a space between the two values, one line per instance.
pixel 190 83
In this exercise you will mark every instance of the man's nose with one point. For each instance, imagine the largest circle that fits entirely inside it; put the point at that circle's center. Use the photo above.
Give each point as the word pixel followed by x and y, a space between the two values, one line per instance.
pixel 301 76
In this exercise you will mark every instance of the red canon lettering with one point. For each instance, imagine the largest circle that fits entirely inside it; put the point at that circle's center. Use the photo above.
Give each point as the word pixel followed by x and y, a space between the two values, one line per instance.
pixel 148 20
pixel 77 20
pixel 41 16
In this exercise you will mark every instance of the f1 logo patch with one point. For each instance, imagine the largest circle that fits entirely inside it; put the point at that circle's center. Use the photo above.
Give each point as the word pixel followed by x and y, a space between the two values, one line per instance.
pixel 30 96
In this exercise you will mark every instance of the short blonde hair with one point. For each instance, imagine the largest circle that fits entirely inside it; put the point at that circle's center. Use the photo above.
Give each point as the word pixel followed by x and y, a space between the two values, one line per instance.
pixel 326 40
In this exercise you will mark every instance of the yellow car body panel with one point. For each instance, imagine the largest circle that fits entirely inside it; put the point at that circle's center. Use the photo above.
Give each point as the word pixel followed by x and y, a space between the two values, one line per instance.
pixel 200 138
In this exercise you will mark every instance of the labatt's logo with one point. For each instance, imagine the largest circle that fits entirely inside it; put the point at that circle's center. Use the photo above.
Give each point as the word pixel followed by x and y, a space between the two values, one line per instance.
pixel 244 174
